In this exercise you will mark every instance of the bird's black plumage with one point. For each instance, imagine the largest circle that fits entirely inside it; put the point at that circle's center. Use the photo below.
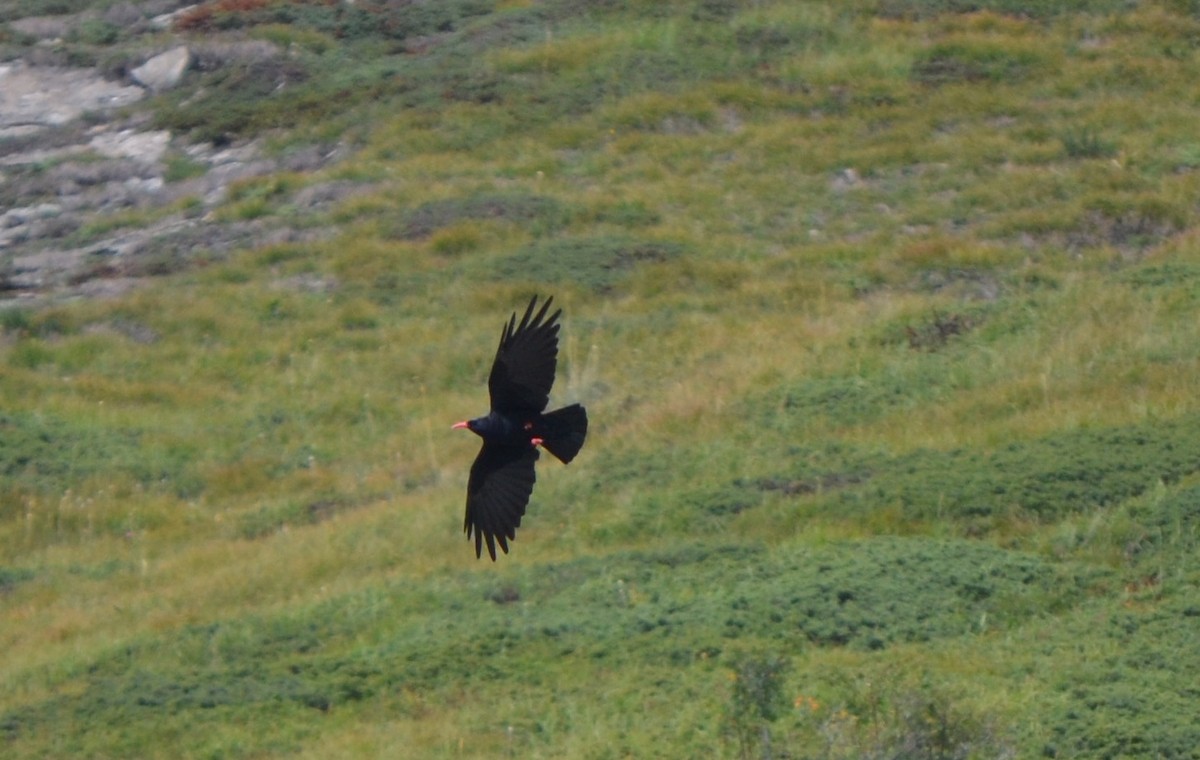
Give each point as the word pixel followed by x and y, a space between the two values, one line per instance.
pixel 519 383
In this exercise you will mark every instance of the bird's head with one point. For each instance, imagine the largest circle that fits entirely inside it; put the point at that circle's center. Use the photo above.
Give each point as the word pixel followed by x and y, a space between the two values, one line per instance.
pixel 472 425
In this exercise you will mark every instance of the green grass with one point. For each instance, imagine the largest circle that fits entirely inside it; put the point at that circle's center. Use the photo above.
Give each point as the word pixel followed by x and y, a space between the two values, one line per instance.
pixel 884 315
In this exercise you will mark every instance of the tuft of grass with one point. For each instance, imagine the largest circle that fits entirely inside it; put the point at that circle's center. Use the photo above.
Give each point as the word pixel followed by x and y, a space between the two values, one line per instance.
pixel 1087 143
pixel 953 63
pixel 629 214
pixel 181 167
pixel 11 577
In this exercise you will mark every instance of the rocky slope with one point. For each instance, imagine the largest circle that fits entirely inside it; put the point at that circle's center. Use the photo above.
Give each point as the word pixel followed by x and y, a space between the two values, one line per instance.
pixel 92 196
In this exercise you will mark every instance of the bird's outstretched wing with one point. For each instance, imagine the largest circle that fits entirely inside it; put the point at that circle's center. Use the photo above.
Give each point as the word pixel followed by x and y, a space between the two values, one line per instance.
pixel 499 487
pixel 523 369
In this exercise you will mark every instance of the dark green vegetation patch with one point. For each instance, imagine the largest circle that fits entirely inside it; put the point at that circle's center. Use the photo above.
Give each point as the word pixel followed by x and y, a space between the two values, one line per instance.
pixel 681 608
pixel 43 453
pixel 535 213
pixel 858 399
pixel 11 577
pixel 1037 9
pixel 952 63
pixel 1134 700
pixel 598 263
pixel 1048 478
pixel 369 18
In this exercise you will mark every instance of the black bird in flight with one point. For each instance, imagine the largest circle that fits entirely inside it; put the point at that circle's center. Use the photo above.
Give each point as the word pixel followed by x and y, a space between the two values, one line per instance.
pixel 502 477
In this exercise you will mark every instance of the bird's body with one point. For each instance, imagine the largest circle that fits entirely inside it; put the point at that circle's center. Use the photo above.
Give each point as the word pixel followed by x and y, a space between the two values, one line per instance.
pixel 502 430
pixel 502 476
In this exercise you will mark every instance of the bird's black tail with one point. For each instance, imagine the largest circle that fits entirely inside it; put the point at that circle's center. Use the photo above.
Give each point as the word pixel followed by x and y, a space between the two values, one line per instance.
pixel 563 430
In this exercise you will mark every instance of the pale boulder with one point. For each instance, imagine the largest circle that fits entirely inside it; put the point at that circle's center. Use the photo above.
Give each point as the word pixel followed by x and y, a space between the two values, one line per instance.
pixel 163 71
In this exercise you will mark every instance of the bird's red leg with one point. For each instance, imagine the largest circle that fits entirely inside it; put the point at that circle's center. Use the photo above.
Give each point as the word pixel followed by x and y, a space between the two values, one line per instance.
pixel 534 441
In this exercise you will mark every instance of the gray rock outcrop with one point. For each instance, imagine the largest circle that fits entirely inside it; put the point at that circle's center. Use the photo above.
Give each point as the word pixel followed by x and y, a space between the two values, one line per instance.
pixel 163 71
pixel 33 97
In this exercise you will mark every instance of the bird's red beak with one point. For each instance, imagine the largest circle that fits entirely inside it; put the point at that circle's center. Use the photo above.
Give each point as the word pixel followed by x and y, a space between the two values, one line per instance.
pixel 459 426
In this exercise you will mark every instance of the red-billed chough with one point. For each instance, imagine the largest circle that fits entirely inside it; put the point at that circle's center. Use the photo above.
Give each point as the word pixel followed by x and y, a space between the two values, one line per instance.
pixel 502 476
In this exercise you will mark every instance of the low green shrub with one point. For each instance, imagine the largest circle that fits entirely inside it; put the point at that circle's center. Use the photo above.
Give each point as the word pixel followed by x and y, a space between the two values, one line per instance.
pixel 671 610
pixel 757 700
pixel 892 716
pixel 1046 478
pixel 1133 701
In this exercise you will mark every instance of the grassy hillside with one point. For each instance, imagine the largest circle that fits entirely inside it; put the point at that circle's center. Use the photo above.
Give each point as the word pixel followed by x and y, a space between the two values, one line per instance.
pixel 885 314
